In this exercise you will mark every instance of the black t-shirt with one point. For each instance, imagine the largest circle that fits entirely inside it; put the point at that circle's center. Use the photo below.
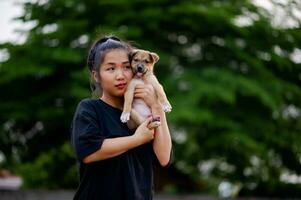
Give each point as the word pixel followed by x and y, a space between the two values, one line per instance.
pixel 127 176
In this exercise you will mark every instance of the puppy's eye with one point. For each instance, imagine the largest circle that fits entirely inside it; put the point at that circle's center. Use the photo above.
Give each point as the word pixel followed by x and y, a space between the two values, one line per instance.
pixel 136 60
pixel 147 61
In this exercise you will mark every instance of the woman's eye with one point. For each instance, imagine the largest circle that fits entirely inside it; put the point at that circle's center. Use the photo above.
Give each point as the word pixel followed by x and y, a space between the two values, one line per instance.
pixel 128 67
pixel 110 68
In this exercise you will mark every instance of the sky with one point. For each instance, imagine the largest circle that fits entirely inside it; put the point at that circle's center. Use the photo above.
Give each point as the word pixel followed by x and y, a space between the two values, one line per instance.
pixel 8 10
pixel 11 8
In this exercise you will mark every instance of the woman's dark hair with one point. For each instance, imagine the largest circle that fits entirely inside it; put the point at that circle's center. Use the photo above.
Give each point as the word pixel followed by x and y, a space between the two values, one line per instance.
pixel 97 53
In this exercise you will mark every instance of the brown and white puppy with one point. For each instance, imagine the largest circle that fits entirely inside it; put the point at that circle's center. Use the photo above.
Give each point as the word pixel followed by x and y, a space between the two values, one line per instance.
pixel 135 111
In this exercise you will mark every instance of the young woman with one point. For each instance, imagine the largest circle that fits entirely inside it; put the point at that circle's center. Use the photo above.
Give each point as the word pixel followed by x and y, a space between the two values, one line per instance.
pixel 114 162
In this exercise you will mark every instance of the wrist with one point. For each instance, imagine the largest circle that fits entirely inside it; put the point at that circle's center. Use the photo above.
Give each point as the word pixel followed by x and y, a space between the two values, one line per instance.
pixel 136 140
pixel 156 108
pixel 155 105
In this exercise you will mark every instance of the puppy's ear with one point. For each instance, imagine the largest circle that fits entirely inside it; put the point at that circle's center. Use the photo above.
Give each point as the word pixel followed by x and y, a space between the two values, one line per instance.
pixel 133 53
pixel 155 57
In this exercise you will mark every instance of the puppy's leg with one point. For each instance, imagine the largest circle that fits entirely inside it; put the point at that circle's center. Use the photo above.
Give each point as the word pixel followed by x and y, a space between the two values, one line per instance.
pixel 136 120
pixel 154 123
pixel 160 93
pixel 136 117
pixel 128 99
pixel 131 124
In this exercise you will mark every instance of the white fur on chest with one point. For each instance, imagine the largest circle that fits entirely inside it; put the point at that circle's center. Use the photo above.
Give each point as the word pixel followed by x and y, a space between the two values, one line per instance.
pixel 139 105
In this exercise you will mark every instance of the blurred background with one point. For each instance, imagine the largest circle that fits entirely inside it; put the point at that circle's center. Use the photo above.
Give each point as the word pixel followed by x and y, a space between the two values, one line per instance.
pixel 231 69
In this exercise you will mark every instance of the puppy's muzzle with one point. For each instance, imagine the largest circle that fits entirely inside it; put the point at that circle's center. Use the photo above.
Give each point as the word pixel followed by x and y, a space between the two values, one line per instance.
pixel 140 68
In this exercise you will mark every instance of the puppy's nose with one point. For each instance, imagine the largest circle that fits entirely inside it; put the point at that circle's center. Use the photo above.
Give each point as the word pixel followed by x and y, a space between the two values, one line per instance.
pixel 140 68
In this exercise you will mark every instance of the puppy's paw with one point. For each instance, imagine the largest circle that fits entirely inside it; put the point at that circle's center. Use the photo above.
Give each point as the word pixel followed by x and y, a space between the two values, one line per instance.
pixel 125 116
pixel 166 107
pixel 154 124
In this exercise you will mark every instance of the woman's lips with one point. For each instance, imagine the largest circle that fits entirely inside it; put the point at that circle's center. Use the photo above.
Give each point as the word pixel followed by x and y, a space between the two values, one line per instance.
pixel 120 85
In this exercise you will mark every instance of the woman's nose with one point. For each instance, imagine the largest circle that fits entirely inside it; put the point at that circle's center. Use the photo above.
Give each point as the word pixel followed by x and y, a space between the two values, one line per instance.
pixel 120 73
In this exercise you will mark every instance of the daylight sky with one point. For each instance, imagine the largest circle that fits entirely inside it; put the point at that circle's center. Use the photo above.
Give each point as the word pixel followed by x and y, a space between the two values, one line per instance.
pixel 11 8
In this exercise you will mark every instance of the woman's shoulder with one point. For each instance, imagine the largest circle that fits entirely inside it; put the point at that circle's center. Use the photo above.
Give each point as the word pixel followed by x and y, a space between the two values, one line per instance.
pixel 88 101
pixel 87 104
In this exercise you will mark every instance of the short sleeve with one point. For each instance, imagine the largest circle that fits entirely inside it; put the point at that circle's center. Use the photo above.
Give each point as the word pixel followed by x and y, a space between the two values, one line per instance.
pixel 87 136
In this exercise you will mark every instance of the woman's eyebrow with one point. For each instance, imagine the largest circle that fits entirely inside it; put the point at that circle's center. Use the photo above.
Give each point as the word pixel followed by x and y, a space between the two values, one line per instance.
pixel 113 63
pixel 110 63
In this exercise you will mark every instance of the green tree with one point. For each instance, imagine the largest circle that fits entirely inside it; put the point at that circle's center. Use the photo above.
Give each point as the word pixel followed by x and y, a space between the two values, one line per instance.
pixel 231 74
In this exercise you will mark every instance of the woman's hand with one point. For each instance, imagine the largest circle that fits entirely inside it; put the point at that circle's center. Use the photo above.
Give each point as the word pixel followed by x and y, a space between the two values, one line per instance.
pixel 147 93
pixel 143 134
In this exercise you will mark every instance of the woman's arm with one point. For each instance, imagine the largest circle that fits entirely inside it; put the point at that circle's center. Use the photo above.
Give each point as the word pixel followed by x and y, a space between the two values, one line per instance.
pixel 162 144
pixel 115 146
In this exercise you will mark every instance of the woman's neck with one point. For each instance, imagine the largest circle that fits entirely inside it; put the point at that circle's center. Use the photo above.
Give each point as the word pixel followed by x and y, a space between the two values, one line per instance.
pixel 115 102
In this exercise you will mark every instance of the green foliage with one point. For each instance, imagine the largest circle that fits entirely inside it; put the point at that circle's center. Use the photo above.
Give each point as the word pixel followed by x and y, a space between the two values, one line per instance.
pixel 55 165
pixel 234 88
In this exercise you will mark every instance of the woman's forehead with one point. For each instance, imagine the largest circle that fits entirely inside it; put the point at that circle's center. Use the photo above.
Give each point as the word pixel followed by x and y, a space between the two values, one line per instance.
pixel 116 56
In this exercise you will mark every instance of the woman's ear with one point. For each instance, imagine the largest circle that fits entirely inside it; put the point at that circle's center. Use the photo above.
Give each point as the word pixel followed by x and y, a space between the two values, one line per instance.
pixel 155 57
pixel 95 76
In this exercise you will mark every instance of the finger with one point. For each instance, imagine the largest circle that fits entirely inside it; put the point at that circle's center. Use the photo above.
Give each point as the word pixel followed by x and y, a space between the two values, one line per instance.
pixel 140 86
pixel 140 94
pixel 139 90
pixel 144 91
pixel 152 133
pixel 138 97
pixel 136 93
pixel 149 87
pixel 150 90
pixel 148 120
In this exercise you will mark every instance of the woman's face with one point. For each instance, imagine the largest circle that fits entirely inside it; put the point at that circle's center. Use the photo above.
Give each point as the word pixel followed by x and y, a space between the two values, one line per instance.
pixel 115 73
